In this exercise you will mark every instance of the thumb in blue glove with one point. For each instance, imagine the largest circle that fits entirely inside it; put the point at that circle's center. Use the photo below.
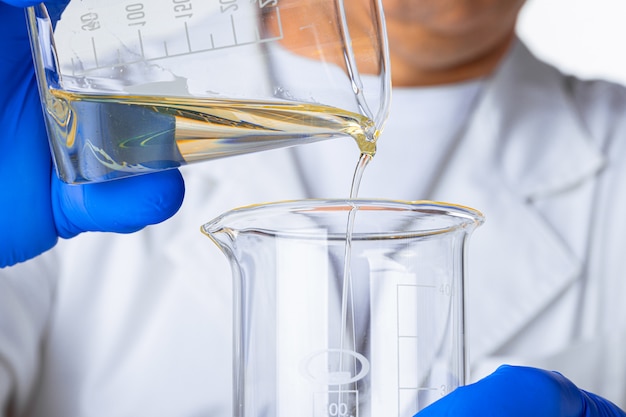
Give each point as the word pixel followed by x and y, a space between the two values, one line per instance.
pixel 35 207
pixel 522 392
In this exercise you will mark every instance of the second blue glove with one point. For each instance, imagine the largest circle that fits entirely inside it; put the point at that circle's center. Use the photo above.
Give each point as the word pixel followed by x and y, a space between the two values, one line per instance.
pixel 513 391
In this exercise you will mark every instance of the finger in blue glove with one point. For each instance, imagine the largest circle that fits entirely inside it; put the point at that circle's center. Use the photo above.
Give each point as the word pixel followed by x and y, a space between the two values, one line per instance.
pixel 35 207
pixel 122 206
pixel 513 391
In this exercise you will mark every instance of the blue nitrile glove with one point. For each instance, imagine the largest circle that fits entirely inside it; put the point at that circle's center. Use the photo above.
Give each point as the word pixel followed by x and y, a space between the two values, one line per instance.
pixel 35 206
pixel 513 391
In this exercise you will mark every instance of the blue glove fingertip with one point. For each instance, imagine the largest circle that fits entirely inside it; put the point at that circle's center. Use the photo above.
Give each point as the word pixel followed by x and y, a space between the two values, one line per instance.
pixel 596 406
pixel 121 206
pixel 513 391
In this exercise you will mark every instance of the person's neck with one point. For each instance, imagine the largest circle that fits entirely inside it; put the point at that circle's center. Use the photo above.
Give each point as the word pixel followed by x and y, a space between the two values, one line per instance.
pixel 406 74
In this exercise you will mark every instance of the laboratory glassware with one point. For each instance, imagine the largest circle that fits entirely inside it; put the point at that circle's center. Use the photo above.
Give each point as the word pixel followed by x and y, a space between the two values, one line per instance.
pixel 130 86
pixel 384 336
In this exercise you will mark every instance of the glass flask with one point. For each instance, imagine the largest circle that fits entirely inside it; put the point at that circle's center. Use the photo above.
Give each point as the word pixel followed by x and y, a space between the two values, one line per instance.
pixel 346 308
pixel 130 87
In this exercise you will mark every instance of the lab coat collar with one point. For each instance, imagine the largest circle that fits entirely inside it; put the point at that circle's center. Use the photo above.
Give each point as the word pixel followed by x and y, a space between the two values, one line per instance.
pixel 543 148
pixel 523 143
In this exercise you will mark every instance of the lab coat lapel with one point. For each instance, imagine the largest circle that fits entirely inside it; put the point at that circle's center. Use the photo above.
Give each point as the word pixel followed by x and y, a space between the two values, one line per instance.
pixel 523 143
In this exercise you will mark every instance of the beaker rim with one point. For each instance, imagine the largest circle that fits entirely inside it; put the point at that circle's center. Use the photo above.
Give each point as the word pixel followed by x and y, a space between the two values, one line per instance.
pixel 259 217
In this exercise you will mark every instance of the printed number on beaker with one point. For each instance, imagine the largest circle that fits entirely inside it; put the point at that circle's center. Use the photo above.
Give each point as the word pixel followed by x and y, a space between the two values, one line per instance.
pixel 338 410
pixel 135 14
pixel 335 404
pixel 446 289
pixel 90 21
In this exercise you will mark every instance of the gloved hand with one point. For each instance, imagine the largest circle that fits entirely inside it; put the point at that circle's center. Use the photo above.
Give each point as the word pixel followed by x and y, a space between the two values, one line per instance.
pixel 35 206
pixel 522 392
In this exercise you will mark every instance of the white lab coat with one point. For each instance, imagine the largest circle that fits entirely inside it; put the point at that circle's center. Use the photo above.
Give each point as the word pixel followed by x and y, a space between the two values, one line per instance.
pixel 139 325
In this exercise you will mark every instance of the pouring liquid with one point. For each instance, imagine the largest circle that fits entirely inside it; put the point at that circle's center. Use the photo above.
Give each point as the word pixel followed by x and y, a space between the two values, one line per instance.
pixel 144 133
pixel 347 337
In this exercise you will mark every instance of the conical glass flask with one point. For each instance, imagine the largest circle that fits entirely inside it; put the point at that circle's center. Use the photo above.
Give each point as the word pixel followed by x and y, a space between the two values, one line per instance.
pixel 315 336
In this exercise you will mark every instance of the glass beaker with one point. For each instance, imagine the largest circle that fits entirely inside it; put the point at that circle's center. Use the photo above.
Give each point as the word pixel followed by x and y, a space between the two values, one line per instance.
pixel 383 337
pixel 130 86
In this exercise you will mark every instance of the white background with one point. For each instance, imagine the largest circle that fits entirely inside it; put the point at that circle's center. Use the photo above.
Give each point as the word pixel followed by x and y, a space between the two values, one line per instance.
pixel 582 37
